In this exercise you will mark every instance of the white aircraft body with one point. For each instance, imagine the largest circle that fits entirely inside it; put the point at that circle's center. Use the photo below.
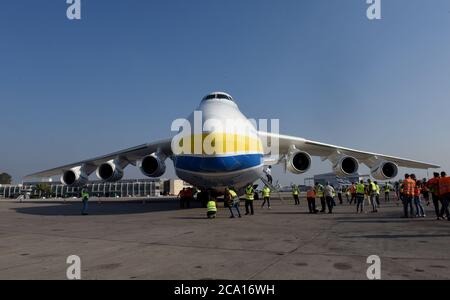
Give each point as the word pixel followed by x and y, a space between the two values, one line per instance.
pixel 232 164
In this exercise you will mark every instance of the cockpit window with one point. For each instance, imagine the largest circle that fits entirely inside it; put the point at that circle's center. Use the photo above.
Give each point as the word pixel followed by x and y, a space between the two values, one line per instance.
pixel 217 96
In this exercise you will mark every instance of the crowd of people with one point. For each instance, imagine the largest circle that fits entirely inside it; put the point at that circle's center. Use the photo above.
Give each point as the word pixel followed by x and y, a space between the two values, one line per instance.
pixel 411 192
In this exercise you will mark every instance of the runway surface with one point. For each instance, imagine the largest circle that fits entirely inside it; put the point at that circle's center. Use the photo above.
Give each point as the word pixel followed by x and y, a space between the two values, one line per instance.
pixel 156 240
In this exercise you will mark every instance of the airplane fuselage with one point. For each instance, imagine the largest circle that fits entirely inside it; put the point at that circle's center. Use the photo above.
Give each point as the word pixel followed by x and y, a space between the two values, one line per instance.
pixel 238 158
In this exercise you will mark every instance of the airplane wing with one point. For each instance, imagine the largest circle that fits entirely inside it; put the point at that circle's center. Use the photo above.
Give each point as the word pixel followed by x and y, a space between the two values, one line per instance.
pixel 326 150
pixel 131 155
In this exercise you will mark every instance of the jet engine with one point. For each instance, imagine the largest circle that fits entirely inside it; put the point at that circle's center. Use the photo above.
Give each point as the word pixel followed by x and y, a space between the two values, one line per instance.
pixel 345 166
pixel 75 177
pixel 384 171
pixel 298 162
pixel 110 171
pixel 152 165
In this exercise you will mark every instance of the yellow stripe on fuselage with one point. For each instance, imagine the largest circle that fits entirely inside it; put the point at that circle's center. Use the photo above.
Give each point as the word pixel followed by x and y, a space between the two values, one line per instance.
pixel 219 144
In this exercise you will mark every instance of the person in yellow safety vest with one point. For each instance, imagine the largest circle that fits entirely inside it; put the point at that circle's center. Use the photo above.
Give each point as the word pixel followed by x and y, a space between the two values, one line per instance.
pixel 250 193
pixel 85 199
pixel 320 194
pixel 378 191
pixel 387 191
pixel 266 196
pixel 372 193
pixel 233 201
pixel 360 191
pixel 295 194
pixel 211 209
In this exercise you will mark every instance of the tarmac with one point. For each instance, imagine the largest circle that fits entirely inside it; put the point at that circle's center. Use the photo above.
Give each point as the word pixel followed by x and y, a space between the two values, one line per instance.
pixel 131 240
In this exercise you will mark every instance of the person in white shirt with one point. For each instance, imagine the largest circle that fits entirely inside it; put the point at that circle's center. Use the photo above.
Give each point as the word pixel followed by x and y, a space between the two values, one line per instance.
pixel 329 193
pixel 268 172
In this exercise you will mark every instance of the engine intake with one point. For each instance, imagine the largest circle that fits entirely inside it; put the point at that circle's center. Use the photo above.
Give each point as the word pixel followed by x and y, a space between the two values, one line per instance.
pixel 345 166
pixel 298 162
pixel 74 177
pixel 152 165
pixel 110 171
pixel 385 171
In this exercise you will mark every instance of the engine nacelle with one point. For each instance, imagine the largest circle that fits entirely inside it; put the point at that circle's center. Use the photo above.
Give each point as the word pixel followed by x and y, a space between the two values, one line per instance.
pixel 152 165
pixel 384 171
pixel 298 162
pixel 75 177
pixel 345 166
pixel 110 171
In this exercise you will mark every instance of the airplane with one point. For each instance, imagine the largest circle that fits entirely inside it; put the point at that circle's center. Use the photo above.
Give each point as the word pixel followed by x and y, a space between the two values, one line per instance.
pixel 231 164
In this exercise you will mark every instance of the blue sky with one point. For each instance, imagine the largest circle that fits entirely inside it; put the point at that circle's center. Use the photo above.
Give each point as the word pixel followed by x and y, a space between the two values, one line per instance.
pixel 70 90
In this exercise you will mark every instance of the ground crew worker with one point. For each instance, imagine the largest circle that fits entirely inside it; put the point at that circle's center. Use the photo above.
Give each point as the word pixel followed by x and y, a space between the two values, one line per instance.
pixel 353 193
pixel 372 193
pixel 397 190
pixel 433 187
pixel 250 193
pixel 387 191
pixel 360 191
pixel 334 196
pixel 444 194
pixel 339 192
pixel 85 199
pixel 408 194
pixel 400 191
pixel 320 195
pixel 266 196
pixel 233 201
pixel 295 194
pixel 211 209
pixel 311 198
pixel 347 194
pixel 378 192
pixel 329 193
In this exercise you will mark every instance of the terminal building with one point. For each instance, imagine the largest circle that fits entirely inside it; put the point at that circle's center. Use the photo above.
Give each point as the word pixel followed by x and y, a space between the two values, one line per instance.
pixel 334 180
pixel 123 188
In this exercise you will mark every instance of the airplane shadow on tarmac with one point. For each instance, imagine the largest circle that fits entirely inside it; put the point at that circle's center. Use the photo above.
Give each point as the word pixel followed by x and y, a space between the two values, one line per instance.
pixel 101 209
pixel 400 236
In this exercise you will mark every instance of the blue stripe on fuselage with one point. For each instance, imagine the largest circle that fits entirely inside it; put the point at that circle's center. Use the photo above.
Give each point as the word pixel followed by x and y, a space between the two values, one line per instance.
pixel 218 164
